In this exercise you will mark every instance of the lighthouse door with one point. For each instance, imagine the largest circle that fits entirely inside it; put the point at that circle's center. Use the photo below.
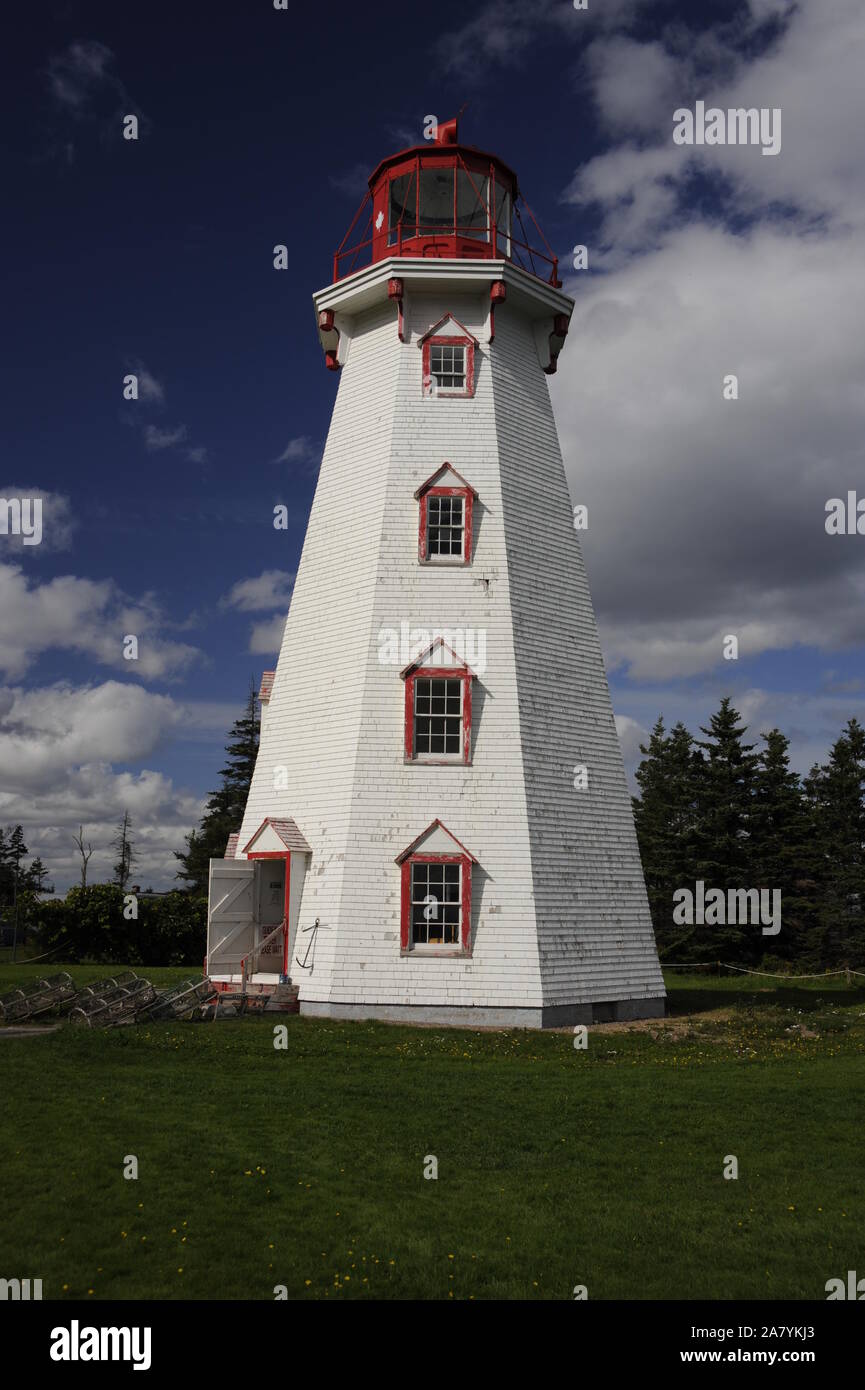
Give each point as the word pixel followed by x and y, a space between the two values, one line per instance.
pixel 231 915
pixel 270 913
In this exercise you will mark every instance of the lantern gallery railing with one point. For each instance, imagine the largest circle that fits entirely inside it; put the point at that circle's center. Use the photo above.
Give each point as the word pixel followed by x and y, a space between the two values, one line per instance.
pixel 449 213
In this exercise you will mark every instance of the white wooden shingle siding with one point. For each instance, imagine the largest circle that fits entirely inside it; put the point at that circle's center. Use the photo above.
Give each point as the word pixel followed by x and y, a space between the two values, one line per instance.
pixel 559 913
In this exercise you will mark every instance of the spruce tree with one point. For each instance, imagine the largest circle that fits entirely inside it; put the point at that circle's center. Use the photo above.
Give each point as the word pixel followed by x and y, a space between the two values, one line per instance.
pixel 5 870
pixel 725 790
pixel 780 844
pixel 684 764
pixel 17 848
pixel 837 792
pixel 225 807
pixel 664 817
pixel 36 878
pixel 12 851
pixel 652 823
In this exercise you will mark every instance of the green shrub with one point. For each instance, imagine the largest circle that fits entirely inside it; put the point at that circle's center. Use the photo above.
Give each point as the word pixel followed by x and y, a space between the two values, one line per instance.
pixel 89 924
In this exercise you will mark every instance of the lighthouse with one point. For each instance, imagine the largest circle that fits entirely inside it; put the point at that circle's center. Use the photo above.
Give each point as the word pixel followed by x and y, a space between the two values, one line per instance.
pixel 439 827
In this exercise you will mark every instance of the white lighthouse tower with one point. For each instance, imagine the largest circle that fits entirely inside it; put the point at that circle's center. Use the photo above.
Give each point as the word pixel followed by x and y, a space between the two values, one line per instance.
pixel 439 826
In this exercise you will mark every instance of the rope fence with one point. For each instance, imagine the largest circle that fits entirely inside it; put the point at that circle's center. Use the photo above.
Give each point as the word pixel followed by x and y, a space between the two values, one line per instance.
pixel 743 970
pixel 30 960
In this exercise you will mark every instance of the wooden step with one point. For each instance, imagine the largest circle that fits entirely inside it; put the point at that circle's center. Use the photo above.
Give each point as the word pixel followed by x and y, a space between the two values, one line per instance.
pixel 284 1000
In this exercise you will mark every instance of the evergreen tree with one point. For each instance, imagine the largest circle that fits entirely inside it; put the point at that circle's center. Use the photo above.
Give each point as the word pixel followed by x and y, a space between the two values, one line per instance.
pixel 12 851
pixel 652 822
pixel 684 768
pixel 5 870
pixel 780 844
pixel 16 848
pixel 725 790
pixel 664 817
pixel 225 807
pixel 837 795
pixel 35 878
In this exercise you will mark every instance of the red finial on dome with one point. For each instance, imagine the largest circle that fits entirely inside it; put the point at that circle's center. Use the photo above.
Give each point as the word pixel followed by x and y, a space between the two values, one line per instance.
pixel 447 132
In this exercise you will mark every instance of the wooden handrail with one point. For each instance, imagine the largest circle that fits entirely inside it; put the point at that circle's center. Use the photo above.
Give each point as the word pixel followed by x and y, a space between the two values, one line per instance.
pixel 257 950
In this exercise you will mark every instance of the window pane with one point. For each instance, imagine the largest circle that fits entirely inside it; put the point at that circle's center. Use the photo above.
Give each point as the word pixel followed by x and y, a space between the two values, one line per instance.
pixel 447 365
pixel 436 201
pixel 445 526
pixel 472 204
pixel 436 907
pixel 503 220
pixel 438 721
pixel 401 207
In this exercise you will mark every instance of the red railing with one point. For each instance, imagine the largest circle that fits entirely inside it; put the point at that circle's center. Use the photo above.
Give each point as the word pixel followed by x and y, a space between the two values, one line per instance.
pixel 496 240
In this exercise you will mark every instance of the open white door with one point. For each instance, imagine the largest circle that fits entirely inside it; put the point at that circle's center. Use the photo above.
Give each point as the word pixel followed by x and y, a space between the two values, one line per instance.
pixel 231 915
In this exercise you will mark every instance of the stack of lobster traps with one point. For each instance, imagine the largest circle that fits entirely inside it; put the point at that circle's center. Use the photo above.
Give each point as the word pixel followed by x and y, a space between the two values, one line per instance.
pixel 109 1003
pixel 189 999
pixel 36 997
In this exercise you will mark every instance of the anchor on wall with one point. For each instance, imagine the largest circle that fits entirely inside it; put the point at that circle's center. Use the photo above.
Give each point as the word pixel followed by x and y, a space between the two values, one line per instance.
pixel 311 947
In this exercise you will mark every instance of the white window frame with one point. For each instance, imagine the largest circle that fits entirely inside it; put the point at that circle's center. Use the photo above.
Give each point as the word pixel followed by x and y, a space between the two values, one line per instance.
pixel 435 947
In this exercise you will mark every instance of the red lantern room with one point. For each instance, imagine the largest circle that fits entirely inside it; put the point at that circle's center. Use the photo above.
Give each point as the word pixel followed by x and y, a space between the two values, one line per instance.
pixel 446 200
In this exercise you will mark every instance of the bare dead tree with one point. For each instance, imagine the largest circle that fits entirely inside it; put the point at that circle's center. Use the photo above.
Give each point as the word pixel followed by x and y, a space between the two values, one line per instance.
pixel 85 854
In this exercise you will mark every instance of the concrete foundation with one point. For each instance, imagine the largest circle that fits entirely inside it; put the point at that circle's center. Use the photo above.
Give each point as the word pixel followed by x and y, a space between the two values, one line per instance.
pixel 455 1016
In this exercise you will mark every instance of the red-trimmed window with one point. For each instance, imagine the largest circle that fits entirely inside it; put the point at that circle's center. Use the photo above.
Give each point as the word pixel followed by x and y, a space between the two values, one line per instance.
pixel 438 715
pixel 445 526
pixel 449 366
pixel 436 903
pixel 445 512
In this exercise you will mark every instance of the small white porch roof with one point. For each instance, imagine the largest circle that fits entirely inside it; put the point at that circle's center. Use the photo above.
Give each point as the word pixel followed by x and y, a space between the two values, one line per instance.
pixel 275 835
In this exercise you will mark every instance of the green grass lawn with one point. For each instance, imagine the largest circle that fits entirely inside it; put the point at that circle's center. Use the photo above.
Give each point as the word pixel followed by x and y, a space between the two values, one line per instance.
pixel 556 1167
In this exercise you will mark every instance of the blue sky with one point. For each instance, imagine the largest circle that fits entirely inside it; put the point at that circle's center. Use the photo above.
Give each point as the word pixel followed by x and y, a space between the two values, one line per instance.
pixel 258 127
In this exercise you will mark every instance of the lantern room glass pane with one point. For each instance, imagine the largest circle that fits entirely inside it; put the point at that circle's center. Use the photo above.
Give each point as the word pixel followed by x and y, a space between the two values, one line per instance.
pixel 436 212
pixel 503 220
pixel 473 204
pixel 401 207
